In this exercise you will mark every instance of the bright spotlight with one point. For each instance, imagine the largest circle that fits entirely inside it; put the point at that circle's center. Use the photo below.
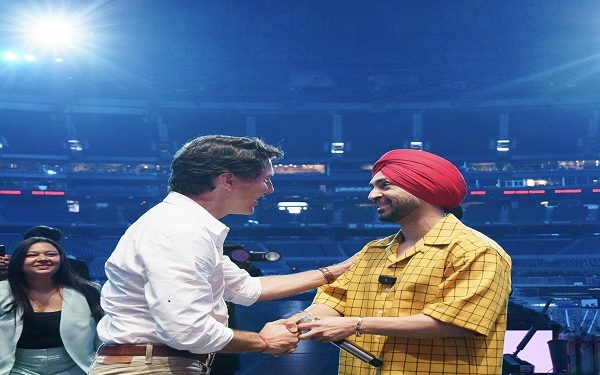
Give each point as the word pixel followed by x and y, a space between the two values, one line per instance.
pixel 10 56
pixel 54 32
pixel 29 57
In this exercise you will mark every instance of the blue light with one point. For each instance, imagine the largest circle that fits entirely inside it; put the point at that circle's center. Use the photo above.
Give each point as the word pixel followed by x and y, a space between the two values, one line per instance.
pixel 51 172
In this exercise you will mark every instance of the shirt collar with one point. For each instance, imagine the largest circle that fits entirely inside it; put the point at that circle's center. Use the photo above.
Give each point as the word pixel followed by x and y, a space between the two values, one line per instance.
pixel 440 234
pixel 213 225
pixel 443 231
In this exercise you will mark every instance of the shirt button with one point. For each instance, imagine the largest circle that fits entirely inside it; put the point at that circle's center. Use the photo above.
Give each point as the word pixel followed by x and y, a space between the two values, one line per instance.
pixel 380 312
pixel 387 289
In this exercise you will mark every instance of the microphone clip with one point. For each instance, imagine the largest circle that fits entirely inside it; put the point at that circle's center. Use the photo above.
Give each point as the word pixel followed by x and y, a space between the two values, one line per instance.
pixel 387 280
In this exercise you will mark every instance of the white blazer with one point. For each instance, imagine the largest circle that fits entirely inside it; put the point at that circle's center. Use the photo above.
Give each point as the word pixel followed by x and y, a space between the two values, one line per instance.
pixel 77 328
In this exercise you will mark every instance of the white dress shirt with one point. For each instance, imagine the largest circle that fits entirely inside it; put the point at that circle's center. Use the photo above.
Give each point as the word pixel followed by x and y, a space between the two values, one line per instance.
pixel 168 279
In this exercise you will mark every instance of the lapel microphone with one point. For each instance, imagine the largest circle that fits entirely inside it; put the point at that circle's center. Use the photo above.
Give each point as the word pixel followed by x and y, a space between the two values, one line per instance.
pixel 387 280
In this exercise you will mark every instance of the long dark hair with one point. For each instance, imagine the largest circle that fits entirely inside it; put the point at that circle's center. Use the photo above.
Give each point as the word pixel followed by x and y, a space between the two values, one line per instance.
pixel 64 276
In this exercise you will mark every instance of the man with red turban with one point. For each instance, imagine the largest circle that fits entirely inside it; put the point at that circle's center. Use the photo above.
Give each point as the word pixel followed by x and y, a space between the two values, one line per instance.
pixel 430 299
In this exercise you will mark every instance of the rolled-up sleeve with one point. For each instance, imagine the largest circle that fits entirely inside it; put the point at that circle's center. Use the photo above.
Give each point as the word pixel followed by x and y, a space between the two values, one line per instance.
pixel 179 292
pixel 240 287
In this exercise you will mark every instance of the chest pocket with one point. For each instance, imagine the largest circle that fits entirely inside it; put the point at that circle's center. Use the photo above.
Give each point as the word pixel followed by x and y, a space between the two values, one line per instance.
pixel 418 283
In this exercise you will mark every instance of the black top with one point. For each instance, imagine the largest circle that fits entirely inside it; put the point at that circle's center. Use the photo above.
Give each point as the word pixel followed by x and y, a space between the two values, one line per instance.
pixel 41 330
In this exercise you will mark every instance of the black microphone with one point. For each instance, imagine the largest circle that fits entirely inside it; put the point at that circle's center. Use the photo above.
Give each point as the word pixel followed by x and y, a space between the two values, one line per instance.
pixel 348 346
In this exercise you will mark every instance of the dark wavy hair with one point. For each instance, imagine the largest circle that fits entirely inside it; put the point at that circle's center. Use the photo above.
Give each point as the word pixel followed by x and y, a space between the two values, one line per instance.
pixel 199 161
pixel 64 276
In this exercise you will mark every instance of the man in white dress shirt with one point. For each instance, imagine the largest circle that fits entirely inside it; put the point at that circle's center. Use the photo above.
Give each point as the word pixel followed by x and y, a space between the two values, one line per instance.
pixel 168 278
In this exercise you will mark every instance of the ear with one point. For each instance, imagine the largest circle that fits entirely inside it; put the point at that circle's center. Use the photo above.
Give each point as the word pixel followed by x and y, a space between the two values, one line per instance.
pixel 225 181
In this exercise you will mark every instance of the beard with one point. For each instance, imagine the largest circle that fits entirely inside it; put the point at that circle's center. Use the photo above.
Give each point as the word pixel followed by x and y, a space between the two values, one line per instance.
pixel 397 210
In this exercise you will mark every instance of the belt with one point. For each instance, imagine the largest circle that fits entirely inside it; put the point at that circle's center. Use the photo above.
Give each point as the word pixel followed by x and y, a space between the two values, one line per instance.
pixel 140 350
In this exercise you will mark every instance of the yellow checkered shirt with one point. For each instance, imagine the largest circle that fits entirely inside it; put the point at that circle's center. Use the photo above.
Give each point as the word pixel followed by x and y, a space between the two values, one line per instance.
pixel 453 274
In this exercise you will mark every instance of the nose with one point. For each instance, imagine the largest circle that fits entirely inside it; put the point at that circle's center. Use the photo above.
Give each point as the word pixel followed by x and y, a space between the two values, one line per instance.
pixel 374 194
pixel 270 187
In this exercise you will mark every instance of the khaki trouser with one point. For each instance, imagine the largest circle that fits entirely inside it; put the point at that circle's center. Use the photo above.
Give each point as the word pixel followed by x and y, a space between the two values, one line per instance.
pixel 149 364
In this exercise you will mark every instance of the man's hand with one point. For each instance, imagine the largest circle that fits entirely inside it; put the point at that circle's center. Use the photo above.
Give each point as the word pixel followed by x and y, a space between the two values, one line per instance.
pixel 316 311
pixel 291 322
pixel 328 329
pixel 278 337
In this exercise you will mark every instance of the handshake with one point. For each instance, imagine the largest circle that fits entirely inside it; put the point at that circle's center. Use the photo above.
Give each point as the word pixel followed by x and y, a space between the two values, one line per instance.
pixel 282 336
pixel 303 326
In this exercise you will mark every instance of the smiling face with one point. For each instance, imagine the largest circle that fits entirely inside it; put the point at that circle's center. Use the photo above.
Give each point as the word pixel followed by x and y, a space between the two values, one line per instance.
pixel 42 259
pixel 250 191
pixel 393 202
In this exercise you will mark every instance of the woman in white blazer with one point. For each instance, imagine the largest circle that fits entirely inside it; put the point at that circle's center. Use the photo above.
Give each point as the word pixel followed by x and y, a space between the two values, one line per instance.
pixel 48 314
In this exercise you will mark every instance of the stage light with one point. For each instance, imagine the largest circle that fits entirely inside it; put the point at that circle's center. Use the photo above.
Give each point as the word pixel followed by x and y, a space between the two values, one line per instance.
pixel 293 208
pixel 265 256
pixel 503 145
pixel 535 182
pixel 29 57
pixel 10 56
pixel 416 145
pixel 55 32
pixel 337 147
pixel 75 145
pixel 238 253
pixel 73 206
pixel 58 59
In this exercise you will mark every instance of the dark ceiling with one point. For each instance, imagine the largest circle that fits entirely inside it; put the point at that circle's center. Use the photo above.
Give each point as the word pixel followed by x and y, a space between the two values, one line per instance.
pixel 323 50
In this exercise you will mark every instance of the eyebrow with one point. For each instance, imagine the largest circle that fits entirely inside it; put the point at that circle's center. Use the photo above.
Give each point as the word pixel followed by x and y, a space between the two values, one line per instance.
pixel 41 251
pixel 378 182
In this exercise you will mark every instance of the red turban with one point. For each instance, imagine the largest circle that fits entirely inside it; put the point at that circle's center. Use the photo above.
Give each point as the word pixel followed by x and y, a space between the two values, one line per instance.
pixel 426 176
